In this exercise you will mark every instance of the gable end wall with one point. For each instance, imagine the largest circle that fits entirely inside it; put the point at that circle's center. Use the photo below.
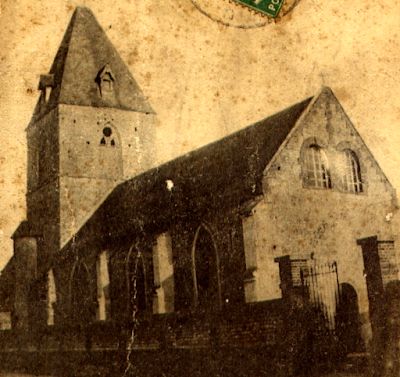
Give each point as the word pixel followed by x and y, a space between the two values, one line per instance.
pixel 297 221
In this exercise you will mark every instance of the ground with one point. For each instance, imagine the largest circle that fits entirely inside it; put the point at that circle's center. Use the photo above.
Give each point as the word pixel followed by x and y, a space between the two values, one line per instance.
pixel 339 374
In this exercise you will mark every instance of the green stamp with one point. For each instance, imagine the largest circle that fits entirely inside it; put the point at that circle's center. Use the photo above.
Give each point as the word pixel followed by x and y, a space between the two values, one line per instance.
pixel 269 7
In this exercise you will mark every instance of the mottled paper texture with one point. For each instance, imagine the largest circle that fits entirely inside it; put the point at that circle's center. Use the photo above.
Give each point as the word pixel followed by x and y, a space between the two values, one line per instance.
pixel 206 80
pixel 210 68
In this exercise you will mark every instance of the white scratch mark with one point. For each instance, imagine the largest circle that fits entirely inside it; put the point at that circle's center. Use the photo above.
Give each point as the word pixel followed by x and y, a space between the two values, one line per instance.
pixel 134 319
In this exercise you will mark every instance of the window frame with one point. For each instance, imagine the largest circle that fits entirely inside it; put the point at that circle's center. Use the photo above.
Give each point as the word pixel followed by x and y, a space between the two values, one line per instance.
pixel 199 302
pixel 111 140
pixel 315 167
pixel 105 80
pixel 351 177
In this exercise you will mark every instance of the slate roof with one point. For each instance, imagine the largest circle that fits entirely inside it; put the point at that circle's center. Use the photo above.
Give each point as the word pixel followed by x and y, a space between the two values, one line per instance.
pixel 224 174
pixel 25 229
pixel 84 51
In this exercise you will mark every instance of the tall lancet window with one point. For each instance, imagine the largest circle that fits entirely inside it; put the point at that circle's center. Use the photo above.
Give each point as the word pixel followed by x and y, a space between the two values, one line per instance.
pixel 51 298
pixel 206 271
pixel 351 178
pixel 316 168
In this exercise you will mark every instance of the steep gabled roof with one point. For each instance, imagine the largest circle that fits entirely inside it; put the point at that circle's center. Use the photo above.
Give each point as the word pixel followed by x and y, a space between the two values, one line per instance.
pixel 84 52
pixel 224 174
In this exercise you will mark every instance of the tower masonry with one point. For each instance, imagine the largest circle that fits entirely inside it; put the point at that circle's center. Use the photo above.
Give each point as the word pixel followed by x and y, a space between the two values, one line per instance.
pixel 92 129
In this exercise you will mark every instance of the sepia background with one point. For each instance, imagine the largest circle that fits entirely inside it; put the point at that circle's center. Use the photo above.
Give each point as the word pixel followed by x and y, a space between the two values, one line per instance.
pixel 205 79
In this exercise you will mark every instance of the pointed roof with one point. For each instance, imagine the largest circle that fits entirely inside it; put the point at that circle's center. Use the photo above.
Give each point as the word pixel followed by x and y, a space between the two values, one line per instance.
pixel 84 52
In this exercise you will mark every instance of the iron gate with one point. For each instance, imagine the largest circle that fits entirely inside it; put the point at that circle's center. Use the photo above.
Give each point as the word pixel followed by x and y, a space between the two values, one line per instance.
pixel 322 285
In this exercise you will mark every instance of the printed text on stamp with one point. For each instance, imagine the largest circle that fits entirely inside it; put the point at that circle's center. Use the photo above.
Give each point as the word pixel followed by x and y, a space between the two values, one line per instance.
pixel 269 7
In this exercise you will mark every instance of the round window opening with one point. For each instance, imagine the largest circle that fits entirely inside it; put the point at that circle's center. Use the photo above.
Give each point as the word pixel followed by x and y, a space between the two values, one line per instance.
pixel 107 131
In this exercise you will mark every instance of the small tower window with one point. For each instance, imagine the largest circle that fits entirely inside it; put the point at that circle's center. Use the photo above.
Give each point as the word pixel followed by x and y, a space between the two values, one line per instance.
pixel 106 82
pixel 105 79
pixel 107 131
pixel 46 84
pixel 107 138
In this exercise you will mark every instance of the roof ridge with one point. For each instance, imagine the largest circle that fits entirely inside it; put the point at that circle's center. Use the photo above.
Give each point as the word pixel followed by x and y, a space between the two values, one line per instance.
pixel 65 42
pixel 241 130
pixel 227 138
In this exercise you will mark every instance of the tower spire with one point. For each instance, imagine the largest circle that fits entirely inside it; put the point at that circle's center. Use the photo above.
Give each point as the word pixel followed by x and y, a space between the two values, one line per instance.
pixel 88 71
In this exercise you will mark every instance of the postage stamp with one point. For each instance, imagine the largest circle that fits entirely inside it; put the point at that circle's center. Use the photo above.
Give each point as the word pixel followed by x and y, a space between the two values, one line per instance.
pixel 245 14
pixel 271 8
pixel 231 14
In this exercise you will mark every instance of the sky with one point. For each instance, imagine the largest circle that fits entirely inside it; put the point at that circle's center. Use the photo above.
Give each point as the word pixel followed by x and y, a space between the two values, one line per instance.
pixel 205 79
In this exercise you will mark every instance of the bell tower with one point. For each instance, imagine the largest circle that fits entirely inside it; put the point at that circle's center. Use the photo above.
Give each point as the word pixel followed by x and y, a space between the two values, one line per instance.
pixel 92 128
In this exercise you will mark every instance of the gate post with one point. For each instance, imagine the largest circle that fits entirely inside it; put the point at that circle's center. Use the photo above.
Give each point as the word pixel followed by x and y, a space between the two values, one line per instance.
pixel 297 348
pixel 380 268
pixel 285 274
pixel 373 275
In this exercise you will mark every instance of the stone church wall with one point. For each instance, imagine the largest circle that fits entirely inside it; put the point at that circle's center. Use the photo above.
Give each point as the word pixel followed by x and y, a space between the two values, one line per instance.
pixel 325 224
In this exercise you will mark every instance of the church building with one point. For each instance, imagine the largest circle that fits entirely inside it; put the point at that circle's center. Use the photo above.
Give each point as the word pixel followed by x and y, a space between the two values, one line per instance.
pixel 211 243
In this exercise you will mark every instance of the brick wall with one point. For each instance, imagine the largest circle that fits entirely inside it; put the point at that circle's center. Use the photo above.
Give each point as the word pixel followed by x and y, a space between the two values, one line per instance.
pixel 298 265
pixel 257 324
pixel 238 340
pixel 388 261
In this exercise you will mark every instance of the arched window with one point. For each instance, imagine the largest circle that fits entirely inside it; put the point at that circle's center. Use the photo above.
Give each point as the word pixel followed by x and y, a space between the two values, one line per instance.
pixel 108 137
pixel 316 168
pixel 137 286
pixel 206 274
pixel 351 178
pixel 82 303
